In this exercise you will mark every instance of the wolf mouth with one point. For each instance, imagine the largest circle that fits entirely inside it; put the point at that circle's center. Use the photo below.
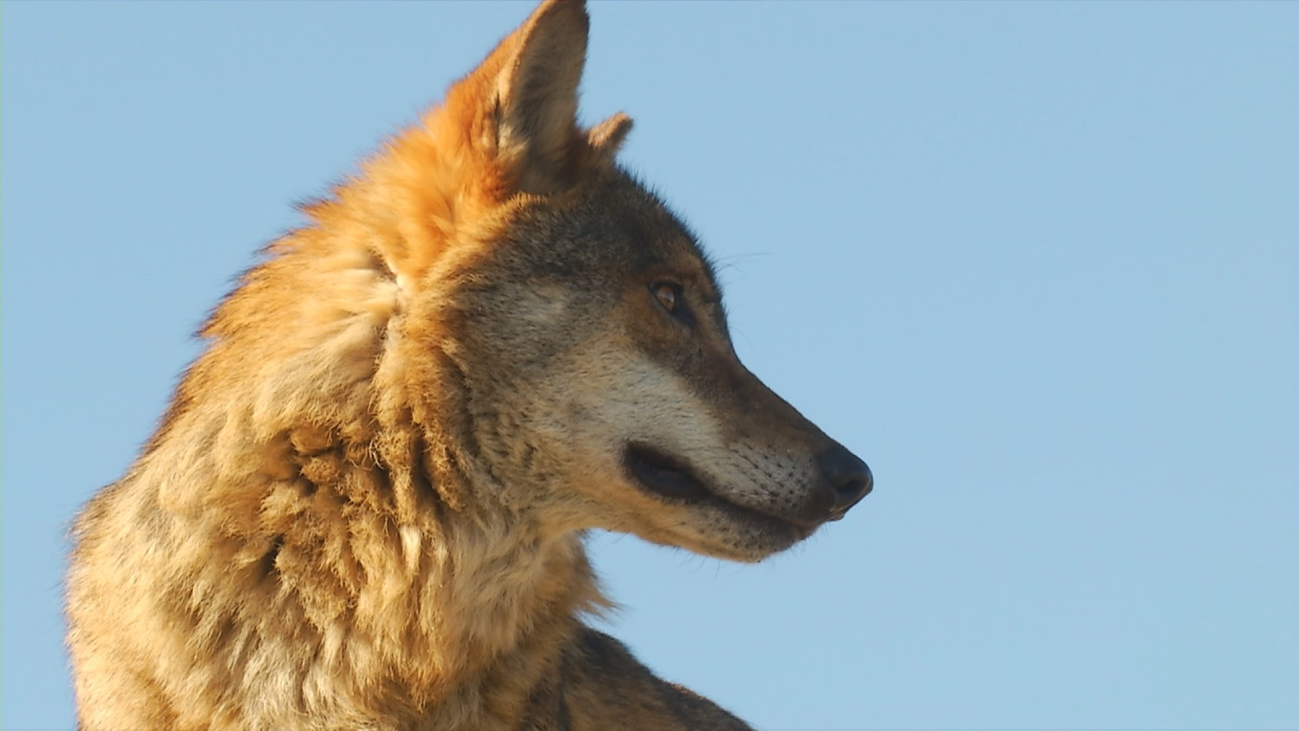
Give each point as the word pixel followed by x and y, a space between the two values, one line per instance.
pixel 671 478
pixel 662 473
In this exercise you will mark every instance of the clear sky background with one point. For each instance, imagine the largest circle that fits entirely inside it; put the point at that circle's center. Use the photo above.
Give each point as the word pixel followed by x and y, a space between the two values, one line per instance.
pixel 1037 263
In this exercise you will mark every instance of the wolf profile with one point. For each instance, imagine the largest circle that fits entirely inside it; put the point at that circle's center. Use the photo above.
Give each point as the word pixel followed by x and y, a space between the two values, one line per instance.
pixel 365 506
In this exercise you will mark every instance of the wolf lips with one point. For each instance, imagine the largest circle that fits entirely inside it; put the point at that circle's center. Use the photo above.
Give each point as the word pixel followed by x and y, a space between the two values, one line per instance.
pixel 661 473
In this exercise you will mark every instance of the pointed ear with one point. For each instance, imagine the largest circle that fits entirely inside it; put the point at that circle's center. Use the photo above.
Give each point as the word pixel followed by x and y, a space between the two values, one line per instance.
pixel 536 95
pixel 606 137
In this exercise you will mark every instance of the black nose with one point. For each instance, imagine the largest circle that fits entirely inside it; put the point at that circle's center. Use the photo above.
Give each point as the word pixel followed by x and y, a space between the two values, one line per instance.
pixel 848 475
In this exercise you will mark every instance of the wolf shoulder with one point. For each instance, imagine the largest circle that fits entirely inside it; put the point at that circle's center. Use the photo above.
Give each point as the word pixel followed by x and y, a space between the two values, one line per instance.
pixel 604 686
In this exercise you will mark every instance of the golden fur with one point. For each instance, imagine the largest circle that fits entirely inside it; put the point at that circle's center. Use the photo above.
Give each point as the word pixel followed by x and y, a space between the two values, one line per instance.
pixel 365 506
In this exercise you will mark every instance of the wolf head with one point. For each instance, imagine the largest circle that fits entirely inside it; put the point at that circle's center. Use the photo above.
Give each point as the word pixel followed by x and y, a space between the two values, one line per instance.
pixel 552 332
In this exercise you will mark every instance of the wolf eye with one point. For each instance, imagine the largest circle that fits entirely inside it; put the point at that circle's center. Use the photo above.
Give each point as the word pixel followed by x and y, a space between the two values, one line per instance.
pixel 666 293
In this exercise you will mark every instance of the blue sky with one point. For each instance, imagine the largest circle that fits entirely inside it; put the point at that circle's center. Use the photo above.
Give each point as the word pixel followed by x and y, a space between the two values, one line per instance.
pixel 1036 262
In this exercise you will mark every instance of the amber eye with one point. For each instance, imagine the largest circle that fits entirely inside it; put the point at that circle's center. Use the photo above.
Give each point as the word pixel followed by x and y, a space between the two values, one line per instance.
pixel 666 293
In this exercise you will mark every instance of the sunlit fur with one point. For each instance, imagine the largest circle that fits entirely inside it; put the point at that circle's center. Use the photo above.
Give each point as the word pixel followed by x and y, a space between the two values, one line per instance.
pixel 366 504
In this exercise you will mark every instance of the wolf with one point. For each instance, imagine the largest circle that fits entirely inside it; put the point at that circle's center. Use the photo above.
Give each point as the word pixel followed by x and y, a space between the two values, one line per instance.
pixel 366 504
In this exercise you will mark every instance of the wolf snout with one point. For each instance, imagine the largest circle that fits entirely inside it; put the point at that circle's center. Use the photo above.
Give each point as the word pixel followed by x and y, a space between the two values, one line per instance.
pixel 847 479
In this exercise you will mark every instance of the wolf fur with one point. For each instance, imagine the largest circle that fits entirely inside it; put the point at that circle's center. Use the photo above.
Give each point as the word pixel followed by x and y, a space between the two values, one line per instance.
pixel 365 507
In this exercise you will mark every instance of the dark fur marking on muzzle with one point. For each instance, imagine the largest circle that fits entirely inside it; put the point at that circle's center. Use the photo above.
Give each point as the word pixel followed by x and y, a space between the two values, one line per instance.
pixel 668 477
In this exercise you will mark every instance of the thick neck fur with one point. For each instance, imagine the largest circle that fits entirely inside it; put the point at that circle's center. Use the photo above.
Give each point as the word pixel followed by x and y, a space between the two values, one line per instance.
pixel 336 477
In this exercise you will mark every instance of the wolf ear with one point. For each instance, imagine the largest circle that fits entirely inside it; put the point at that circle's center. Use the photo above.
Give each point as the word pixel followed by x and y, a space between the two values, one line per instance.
pixel 536 95
pixel 606 137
